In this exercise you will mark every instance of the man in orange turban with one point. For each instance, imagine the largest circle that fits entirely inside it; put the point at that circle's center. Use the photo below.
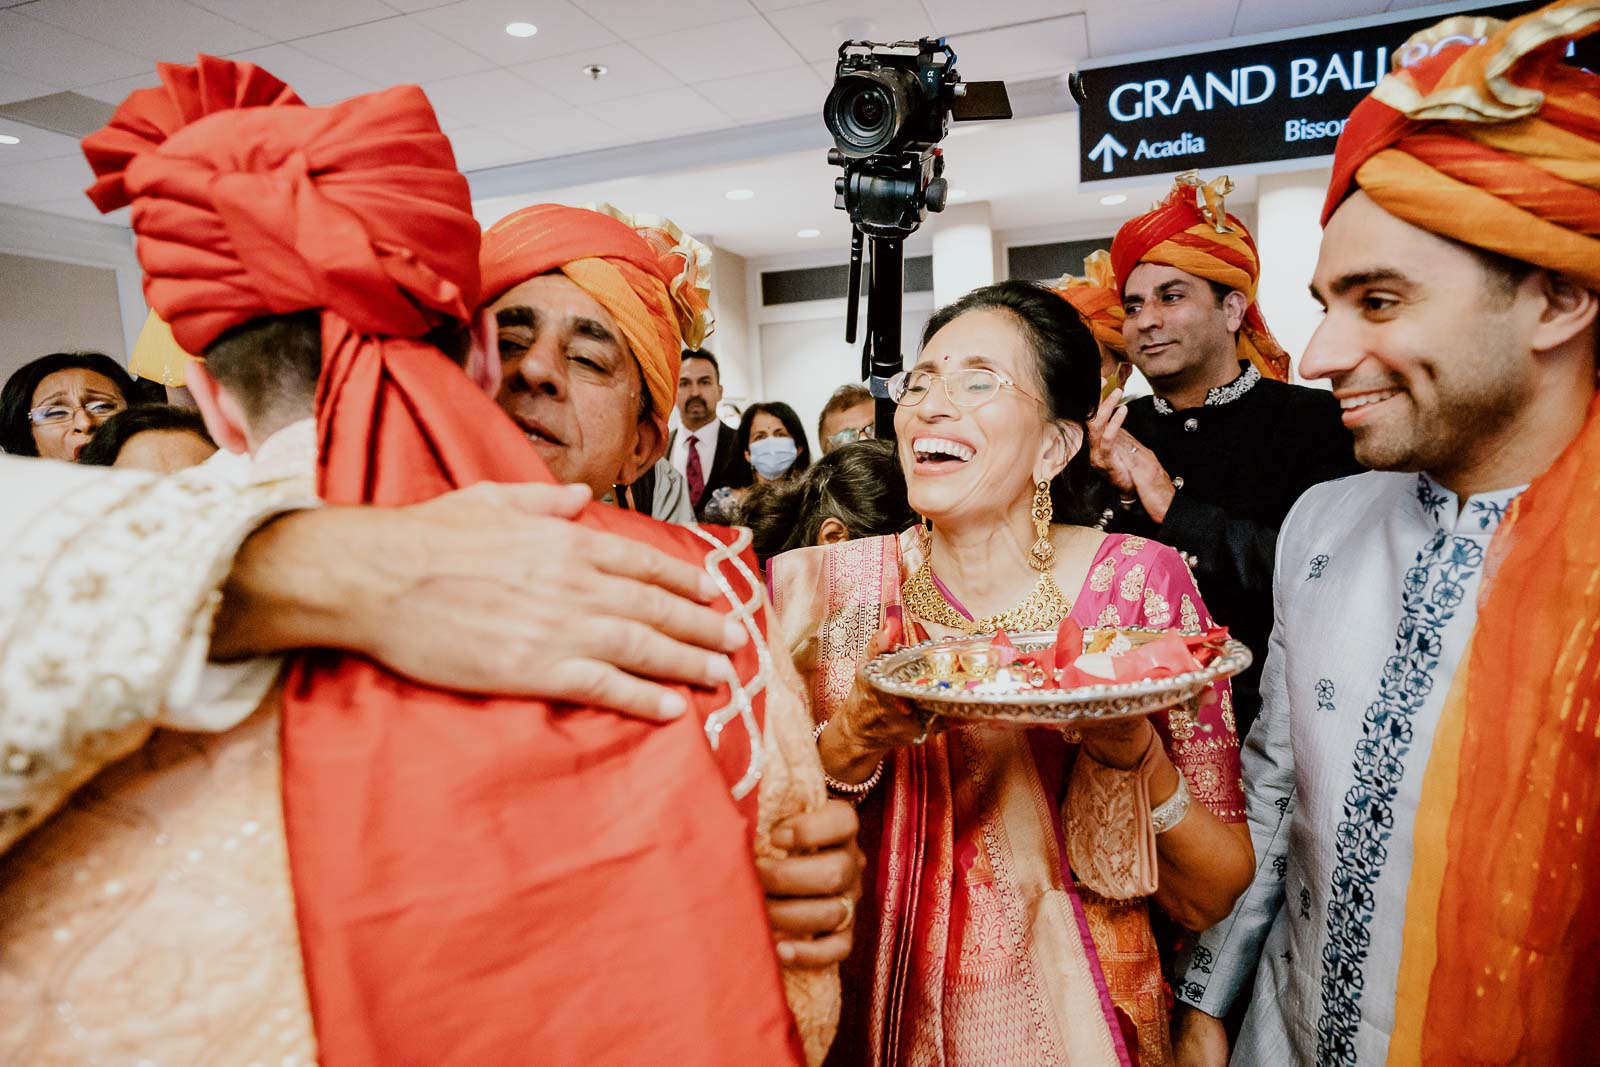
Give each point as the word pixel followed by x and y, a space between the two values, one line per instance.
pixel 1213 461
pixel 592 309
pixel 453 860
pixel 1425 779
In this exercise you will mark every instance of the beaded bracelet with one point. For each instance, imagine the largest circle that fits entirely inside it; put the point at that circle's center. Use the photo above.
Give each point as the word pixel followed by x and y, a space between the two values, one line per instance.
pixel 853 792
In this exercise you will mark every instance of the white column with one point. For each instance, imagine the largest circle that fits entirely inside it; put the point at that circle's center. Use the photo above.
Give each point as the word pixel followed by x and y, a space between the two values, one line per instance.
pixel 1288 233
pixel 733 339
pixel 963 251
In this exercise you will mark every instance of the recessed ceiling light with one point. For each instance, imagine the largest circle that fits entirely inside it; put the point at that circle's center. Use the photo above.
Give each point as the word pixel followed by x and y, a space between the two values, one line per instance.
pixel 808 233
pixel 959 194
pixel 596 71
pixel 6 138
pixel 521 29
pixel 1113 199
pixel 740 194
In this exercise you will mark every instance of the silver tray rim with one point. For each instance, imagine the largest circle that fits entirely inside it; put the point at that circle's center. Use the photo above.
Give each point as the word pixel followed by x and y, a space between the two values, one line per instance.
pixel 1100 701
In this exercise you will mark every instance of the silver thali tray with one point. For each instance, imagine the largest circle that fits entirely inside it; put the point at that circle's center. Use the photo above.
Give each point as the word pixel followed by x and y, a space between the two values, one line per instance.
pixel 925 675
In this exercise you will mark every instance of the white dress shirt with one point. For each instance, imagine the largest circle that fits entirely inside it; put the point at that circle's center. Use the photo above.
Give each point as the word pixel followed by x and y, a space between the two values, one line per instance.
pixel 705 443
pixel 1374 602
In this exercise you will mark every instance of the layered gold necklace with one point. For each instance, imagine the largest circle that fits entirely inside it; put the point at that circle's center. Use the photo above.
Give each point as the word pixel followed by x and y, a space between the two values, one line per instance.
pixel 1041 609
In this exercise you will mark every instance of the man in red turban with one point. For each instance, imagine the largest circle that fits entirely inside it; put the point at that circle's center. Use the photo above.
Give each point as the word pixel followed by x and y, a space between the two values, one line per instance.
pixel 1212 462
pixel 1425 779
pixel 474 878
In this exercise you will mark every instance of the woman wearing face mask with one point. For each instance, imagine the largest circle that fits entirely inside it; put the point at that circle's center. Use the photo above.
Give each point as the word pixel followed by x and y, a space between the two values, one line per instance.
pixel 1011 872
pixel 774 444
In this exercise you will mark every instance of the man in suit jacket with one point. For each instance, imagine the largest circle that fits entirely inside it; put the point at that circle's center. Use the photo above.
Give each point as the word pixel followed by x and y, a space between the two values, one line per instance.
pixel 705 450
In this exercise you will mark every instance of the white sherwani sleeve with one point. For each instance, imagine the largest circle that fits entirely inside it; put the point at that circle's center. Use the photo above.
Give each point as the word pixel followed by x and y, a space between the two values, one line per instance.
pixel 109 586
pixel 1215 970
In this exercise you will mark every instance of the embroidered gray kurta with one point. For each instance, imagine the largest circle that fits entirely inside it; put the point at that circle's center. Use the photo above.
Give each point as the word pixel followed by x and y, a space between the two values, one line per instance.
pixel 1374 601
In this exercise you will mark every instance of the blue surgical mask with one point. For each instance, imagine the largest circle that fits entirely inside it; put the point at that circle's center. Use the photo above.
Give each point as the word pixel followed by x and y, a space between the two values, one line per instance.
pixel 773 456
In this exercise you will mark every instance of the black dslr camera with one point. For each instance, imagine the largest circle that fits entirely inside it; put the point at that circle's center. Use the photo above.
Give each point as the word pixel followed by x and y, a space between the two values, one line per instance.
pixel 890 106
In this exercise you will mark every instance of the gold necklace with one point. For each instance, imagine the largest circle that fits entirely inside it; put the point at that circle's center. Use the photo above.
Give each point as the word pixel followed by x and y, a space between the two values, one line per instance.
pixel 1041 609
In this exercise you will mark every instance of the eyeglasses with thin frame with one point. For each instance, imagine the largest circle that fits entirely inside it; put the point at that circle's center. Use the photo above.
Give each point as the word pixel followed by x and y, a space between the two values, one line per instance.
pixel 53 414
pixel 970 387
pixel 850 435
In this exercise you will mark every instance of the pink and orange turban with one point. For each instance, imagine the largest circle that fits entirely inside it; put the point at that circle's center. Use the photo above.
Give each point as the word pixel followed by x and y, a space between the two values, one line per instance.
pixel 1496 144
pixel 1192 231
pixel 654 279
pixel 1097 298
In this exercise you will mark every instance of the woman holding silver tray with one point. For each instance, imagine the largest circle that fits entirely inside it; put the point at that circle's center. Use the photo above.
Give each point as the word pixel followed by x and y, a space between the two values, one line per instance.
pixel 1010 869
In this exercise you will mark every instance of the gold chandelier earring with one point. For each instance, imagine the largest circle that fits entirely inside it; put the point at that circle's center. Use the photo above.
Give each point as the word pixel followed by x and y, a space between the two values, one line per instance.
pixel 1043 553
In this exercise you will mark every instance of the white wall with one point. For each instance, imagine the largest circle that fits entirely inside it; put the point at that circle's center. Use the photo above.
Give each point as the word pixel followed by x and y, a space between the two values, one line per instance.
pixel 40 291
pixel 1288 233
pixel 804 357
pixel 731 340
pixel 48 306
pixel 964 252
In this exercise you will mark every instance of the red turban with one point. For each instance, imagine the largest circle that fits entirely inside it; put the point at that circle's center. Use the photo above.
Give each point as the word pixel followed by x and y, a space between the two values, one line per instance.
pixel 477 880
pixel 1097 299
pixel 646 272
pixel 1496 144
pixel 1192 231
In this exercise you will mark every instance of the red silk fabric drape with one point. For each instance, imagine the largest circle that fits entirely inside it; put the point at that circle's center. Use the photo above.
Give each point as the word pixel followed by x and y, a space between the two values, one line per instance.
pixel 477 880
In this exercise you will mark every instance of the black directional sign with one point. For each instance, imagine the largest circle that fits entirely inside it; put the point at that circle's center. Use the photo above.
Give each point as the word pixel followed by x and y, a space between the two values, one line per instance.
pixel 1257 103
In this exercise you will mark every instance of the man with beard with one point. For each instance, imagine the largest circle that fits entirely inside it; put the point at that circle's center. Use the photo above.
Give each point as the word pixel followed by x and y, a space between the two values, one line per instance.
pixel 1213 461
pixel 704 449
pixel 1424 783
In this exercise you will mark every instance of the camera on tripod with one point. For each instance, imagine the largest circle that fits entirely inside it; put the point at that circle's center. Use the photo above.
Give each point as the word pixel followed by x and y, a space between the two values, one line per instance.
pixel 890 106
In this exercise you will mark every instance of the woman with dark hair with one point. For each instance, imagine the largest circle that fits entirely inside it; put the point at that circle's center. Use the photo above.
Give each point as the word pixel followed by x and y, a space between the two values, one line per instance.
pixel 857 490
pixel 1010 871
pixel 52 406
pixel 773 442
pixel 151 437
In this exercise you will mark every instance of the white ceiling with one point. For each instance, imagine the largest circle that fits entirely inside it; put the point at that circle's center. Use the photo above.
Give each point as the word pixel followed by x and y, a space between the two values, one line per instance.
pixel 675 67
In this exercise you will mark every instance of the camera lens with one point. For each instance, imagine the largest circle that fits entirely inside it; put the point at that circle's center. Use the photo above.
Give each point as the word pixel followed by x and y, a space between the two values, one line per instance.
pixel 866 110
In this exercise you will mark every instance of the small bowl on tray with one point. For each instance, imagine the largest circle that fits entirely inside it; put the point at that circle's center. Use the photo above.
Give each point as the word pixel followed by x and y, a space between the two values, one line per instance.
pixel 966 678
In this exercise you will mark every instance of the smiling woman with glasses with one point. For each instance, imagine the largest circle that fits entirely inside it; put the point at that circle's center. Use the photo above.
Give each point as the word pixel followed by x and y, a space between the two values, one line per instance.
pixel 1010 859
pixel 52 406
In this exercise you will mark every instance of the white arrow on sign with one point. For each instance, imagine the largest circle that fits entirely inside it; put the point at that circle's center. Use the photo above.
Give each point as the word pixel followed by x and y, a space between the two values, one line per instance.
pixel 1109 148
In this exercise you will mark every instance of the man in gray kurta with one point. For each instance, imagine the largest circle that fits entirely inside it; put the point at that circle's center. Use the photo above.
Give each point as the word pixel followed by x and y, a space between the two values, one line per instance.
pixel 1463 374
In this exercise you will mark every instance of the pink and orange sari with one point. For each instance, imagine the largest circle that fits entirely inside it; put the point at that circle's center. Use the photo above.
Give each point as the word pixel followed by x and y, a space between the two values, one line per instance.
pixel 1007 878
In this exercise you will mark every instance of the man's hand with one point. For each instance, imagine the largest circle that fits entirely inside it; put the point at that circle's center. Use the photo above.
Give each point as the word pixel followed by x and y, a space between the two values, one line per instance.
pixel 1198 1039
pixel 491 589
pixel 807 891
pixel 1108 444
pixel 1130 467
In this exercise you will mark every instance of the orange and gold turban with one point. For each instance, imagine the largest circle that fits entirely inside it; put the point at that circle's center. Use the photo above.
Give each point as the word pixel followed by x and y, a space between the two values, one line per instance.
pixel 1496 144
pixel 654 279
pixel 1192 231
pixel 1097 298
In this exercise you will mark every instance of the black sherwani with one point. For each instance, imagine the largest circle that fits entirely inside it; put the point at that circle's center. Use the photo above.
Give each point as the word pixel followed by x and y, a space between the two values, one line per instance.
pixel 1245 458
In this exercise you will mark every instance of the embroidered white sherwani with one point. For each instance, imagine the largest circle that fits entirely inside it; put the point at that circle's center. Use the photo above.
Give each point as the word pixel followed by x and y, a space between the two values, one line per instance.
pixel 151 919
pixel 1374 604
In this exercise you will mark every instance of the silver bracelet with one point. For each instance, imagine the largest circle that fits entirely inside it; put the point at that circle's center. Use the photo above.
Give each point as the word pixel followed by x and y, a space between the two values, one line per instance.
pixel 846 789
pixel 1170 812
